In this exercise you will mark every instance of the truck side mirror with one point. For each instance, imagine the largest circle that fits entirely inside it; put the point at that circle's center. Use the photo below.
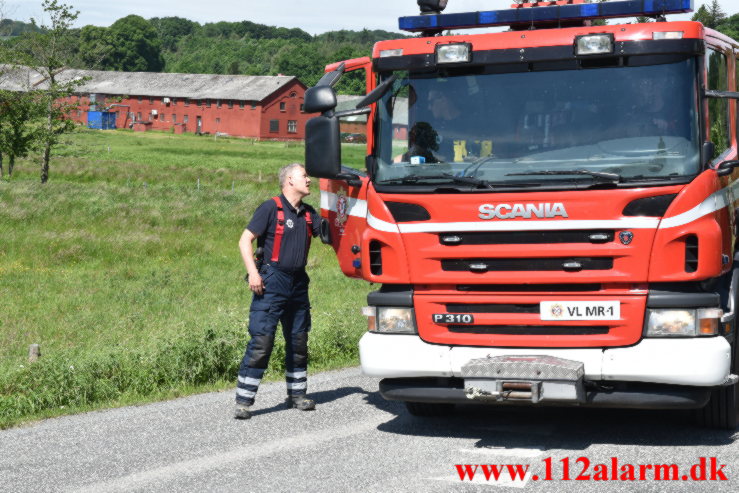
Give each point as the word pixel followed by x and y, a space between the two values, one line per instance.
pixel 323 147
pixel 319 99
pixel 707 152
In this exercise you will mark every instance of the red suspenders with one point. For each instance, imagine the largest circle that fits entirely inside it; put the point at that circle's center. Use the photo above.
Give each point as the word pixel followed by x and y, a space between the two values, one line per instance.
pixel 280 230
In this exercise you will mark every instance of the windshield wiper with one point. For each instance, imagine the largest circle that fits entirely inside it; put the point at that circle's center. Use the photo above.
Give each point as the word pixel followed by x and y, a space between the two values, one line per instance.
pixel 466 180
pixel 639 178
pixel 598 176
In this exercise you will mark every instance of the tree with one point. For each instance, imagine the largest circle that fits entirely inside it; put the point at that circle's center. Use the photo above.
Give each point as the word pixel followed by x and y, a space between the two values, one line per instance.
pixel 136 45
pixel 295 59
pixel 171 29
pixel 711 16
pixel 18 130
pixel 96 48
pixel 49 53
pixel 730 26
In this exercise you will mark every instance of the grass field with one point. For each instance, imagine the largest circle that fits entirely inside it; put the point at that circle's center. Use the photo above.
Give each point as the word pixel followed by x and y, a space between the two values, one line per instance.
pixel 125 269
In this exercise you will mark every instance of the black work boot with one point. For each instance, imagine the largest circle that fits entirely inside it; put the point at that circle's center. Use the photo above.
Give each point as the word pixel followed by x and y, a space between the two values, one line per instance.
pixel 300 402
pixel 243 411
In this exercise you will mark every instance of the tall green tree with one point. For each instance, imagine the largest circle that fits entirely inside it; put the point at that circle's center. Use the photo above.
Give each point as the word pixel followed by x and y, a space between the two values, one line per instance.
pixel 294 59
pixel 710 16
pixel 730 26
pixel 19 112
pixel 49 52
pixel 172 29
pixel 137 46
pixel 96 48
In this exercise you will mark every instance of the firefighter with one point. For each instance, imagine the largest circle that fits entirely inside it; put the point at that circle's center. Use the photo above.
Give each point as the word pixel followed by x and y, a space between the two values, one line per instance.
pixel 283 227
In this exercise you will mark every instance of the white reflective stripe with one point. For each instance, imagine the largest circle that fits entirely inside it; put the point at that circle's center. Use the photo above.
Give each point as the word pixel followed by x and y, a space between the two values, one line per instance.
pixel 713 203
pixel 296 374
pixel 354 207
pixel 381 225
pixel 245 393
pixel 250 380
pixel 325 202
pixel 631 223
pixel 297 385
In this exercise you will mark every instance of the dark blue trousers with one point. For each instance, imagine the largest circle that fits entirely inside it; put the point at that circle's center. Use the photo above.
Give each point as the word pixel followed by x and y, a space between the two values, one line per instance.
pixel 285 300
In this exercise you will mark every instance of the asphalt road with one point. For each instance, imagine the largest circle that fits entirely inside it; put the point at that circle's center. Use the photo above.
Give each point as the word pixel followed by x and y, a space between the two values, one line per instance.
pixel 355 442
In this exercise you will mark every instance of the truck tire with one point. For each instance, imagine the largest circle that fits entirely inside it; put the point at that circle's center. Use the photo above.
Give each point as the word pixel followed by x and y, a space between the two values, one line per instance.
pixel 721 410
pixel 429 409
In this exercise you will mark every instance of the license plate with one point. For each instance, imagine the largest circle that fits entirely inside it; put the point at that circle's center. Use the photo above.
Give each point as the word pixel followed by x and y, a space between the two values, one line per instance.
pixel 580 310
pixel 453 318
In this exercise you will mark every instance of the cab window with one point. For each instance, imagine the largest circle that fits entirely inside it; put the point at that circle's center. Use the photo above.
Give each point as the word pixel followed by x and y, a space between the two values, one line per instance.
pixel 718 109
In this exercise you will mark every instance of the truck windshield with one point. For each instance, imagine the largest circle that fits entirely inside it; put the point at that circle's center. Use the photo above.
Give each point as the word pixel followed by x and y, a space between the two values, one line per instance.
pixel 522 128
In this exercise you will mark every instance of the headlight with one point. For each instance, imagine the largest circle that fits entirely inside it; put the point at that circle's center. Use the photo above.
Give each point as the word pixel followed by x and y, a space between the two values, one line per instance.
pixel 453 53
pixel 387 53
pixel 594 44
pixel 395 320
pixel 683 323
pixel 668 35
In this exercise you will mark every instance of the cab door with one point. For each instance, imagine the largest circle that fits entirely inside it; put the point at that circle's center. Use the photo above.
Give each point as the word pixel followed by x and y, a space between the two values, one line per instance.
pixel 344 198
pixel 344 213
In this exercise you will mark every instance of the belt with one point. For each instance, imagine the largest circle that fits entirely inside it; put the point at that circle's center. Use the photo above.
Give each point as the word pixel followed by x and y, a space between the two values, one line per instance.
pixel 297 270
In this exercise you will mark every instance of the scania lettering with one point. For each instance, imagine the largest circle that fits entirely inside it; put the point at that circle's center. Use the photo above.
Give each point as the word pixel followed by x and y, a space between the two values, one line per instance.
pixel 548 209
pixel 505 211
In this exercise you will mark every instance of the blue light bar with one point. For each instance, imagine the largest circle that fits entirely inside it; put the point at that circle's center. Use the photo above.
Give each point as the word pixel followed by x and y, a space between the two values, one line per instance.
pixel 583 11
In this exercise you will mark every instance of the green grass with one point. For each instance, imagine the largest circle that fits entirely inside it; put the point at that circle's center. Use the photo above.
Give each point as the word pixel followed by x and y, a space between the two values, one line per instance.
pixel 128 274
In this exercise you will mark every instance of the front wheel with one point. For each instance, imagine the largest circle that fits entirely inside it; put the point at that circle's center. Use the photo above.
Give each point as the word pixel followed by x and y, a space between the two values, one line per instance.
pixel 429 409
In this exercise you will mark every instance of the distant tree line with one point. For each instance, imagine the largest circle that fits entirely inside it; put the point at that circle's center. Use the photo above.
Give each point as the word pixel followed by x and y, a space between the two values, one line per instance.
pixel 174 44
pixel 10 27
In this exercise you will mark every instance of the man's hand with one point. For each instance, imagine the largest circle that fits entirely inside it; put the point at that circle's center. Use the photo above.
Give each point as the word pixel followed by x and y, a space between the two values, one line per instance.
pixel 256 284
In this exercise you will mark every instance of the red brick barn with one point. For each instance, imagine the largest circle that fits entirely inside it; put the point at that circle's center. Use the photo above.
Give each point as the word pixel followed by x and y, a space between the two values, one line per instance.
pixel 260 107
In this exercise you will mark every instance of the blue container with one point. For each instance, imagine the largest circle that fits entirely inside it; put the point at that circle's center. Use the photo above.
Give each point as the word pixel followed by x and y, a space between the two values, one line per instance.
pixel 101 120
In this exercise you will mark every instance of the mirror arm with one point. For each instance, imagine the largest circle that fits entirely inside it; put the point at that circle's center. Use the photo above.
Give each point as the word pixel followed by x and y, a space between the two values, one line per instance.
pixel 351 179
pixel 360 111
pixel 331 78
pixel 727 167
pixel 721 94
pixel 378 92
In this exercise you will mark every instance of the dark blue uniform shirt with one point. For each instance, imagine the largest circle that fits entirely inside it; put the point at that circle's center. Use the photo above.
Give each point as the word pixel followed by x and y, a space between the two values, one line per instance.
pixel 293 248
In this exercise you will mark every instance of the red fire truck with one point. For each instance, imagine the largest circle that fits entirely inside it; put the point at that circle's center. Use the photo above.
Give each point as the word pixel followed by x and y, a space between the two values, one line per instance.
pixel 549 211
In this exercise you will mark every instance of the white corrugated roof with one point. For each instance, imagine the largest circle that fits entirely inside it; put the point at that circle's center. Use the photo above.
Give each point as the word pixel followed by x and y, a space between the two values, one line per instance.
pixel 195 86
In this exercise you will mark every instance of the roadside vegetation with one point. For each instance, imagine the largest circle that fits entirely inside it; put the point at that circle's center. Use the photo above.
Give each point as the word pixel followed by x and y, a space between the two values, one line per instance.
pixel 125 269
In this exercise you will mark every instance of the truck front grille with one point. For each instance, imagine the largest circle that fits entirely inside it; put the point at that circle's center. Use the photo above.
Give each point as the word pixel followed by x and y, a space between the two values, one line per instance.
pixel 530 330
pixel 527 237
pixel 492 308
pixel 530 288
pixel 572 264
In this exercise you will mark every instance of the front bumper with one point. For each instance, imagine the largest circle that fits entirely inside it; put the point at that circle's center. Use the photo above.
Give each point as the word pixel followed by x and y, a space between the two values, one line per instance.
pixel 696 362
pixel 621 395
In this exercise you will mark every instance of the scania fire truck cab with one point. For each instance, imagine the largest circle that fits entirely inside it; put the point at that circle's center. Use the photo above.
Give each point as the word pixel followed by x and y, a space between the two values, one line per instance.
pixel 549 211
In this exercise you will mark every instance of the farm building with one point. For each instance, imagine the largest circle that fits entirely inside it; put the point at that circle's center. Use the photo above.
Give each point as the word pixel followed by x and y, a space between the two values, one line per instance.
pixel 357 124
pixel 260 107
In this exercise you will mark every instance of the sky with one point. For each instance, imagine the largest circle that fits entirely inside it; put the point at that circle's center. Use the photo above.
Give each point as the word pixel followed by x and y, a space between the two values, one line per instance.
pixel 314 17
